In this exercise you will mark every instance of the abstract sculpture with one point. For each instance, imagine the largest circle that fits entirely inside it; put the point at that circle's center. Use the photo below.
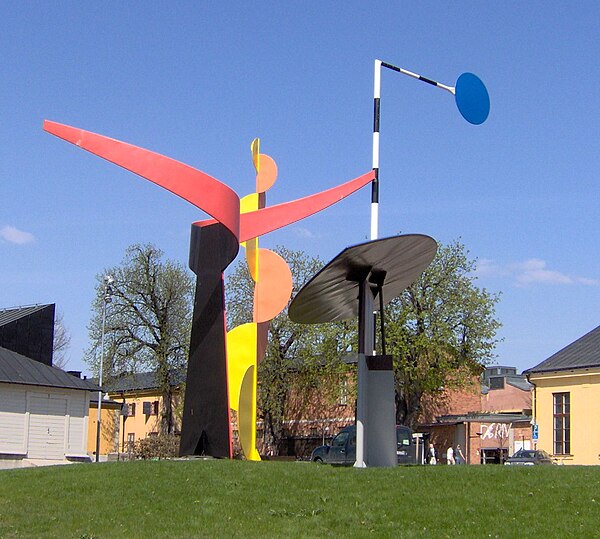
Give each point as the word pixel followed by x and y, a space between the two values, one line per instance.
pixel 348 287
pixel 214 245
pixel 246 344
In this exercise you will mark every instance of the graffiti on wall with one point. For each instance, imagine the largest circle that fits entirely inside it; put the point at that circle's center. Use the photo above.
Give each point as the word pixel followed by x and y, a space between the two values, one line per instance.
pixel 495 431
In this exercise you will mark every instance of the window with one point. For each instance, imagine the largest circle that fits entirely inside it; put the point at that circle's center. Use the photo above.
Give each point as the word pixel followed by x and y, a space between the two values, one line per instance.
pixel 150 408
pixel 130 442
pixel 340 440
pixel 497 382
pixel 562 423
pixel 131 409
pixel 403 436
pixel 344 392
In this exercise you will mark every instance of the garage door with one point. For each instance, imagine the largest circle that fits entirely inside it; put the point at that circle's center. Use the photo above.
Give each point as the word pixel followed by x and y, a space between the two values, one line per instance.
pixel 47 416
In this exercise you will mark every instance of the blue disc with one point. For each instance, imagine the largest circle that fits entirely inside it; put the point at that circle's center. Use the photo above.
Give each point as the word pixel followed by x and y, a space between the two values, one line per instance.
pixel 472 98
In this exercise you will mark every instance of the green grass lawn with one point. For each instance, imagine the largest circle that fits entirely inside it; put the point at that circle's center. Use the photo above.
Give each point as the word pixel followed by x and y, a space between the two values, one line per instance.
pixel 219 498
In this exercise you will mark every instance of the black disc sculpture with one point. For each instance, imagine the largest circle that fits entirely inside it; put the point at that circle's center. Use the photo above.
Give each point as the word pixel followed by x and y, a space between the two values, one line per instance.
pixel 347 287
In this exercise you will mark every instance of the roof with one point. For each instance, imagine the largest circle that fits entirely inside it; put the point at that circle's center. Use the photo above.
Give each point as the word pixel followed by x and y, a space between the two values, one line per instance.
pixel 482 417
pixel 516 380
pixel 519 381
pixel 580 354
pixel 18 369
pixel 140 381
pixel 14 313
pixel 106 403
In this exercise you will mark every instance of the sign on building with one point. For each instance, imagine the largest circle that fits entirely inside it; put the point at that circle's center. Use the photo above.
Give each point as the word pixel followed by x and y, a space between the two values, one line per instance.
pixel 534 432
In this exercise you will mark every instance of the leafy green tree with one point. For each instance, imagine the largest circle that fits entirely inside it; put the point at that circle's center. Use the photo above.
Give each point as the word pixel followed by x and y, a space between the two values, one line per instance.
pixel 441 331
pixel 148 305
pixel 298 356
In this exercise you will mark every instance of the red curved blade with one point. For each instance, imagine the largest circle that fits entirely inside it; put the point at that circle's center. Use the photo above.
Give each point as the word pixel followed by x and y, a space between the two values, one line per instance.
pixel 195 186
pixel 259 222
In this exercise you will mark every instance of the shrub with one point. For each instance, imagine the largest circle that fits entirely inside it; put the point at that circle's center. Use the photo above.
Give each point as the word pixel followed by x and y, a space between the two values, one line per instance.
pixel 162 447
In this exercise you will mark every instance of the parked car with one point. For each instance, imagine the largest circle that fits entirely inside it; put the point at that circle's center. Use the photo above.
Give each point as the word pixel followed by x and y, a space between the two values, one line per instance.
pixel 529 457
pixel 342 450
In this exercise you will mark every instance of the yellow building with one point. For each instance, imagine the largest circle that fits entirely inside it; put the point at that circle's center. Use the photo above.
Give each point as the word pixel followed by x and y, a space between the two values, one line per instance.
pixel 566 401
pixel 109 424
pixel 132 411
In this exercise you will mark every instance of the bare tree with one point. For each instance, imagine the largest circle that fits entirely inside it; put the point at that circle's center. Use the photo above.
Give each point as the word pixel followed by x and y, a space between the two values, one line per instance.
pixel 62 342
pixel 148 321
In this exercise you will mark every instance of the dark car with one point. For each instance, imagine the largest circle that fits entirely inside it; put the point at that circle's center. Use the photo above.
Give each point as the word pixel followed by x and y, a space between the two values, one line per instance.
pixel 342 451
pixel 529 457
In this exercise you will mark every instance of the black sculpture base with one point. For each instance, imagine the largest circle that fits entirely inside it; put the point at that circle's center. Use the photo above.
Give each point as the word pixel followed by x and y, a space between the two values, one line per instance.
pixel 205 427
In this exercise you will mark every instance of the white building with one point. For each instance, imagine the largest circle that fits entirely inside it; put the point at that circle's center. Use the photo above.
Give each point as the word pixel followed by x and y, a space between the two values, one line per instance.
pixel 43 413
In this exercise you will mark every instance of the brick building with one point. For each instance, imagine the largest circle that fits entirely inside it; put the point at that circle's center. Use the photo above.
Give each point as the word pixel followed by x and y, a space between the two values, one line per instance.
pixel 490 419
pixel 313 416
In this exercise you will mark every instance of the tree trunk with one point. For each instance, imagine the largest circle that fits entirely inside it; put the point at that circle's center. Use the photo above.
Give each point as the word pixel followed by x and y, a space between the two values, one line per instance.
pixel 167 423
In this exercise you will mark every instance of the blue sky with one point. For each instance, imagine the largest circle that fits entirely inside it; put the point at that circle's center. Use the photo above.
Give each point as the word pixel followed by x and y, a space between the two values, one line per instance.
pixel 197 81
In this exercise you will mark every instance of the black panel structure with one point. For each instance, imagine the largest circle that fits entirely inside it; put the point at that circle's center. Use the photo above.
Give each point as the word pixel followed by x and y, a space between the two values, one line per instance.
pixel 205 427
pixel 29 331
pixel 347 287
pixel 393 263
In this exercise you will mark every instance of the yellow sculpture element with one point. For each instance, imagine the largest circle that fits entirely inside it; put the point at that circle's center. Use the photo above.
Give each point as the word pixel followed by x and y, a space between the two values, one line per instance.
pixel 272 291
pixel 247 204
pixel 255 149
pixel 242 346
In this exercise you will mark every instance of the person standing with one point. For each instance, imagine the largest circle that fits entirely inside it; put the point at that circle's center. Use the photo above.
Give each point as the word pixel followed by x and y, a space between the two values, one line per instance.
pixel 431 459
pixel 450 456
pixel 460 457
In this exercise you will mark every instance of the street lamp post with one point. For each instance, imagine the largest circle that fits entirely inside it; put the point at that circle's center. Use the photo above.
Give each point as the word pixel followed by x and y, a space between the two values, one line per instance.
pixel 108 280
pixel 325 432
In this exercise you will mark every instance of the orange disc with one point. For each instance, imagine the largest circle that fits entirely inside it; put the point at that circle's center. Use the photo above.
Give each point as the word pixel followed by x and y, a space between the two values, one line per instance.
pixel 274 286
pixel 267 173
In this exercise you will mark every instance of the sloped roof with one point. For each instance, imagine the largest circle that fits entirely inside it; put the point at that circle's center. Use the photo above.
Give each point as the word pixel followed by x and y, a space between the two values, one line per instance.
pixel 516 380
pixel 519 381
pixel 14 313
pixel 475 417
pixel 18 369
pixel 140 381
pixel 106 403
pixel 580 354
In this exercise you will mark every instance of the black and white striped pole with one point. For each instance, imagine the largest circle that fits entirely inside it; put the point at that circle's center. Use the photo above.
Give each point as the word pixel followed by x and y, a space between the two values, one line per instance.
pixel 471 98
pixel 473 102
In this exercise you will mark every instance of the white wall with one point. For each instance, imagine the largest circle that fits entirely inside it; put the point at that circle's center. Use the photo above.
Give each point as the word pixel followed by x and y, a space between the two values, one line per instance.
pixel 43 423
pixel 13 420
